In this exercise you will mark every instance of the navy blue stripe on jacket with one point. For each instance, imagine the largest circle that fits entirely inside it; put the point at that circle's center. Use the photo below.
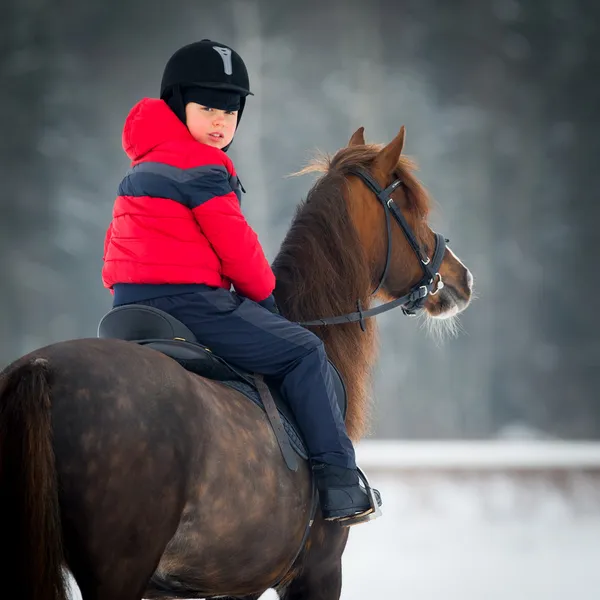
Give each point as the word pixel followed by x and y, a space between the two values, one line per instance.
pixel 190 187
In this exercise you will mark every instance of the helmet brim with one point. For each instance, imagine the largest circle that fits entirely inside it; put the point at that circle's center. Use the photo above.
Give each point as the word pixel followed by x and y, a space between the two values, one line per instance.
pixel 221 86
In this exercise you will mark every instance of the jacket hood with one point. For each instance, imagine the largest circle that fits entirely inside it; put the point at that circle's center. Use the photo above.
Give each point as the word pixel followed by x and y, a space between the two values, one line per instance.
pixel 150 123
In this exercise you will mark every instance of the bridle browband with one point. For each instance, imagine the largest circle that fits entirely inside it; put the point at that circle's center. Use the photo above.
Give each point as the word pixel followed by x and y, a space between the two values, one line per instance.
pixel 430 284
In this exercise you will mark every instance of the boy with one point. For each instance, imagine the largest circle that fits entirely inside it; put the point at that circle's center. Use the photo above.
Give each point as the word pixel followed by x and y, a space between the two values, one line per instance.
pixel 178 242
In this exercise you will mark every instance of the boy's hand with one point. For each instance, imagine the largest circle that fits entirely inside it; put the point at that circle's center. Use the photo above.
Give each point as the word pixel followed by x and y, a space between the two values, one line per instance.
pixel 270 304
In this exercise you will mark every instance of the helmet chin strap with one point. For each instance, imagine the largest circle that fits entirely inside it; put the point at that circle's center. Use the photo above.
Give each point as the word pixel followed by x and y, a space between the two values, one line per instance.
pixel 239 116
pixel 175 103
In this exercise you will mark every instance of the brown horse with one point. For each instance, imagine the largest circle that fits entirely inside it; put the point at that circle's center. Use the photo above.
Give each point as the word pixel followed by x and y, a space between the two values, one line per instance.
pixel 146 480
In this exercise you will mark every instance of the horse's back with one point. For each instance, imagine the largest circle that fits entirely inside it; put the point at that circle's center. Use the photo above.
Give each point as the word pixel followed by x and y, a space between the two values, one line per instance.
pixel 122 453
pixel 145 449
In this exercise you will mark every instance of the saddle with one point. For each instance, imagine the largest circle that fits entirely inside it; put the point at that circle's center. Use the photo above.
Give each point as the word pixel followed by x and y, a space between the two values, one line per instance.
pixel 156 329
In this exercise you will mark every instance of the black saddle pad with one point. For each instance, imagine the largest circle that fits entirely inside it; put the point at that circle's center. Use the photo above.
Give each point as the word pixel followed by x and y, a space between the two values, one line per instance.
pixel 160 331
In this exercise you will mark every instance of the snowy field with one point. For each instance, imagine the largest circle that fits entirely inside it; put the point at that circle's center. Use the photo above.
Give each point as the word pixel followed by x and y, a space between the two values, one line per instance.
pixel 491 521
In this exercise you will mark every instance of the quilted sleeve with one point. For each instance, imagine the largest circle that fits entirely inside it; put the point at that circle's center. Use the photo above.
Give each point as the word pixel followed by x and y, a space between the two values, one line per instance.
pixel 217 211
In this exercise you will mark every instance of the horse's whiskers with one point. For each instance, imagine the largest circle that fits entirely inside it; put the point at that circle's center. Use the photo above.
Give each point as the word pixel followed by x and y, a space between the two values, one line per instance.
pixel 441 329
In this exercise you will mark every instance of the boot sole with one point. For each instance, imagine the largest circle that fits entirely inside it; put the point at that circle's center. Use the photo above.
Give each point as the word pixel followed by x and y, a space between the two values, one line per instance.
pixel 341 515
pixel 371 515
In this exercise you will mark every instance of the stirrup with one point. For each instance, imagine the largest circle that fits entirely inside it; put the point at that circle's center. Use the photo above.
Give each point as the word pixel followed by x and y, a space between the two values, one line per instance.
pixel 370 514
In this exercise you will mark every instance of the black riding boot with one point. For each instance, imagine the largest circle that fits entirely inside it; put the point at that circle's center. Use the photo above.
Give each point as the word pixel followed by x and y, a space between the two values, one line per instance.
pixel 342 497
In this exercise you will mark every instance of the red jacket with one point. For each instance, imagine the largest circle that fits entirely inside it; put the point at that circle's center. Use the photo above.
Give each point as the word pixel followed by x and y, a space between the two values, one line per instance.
pixel 177 218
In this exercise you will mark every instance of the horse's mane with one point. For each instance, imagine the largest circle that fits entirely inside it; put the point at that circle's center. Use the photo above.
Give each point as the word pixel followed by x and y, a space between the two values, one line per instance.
pixel 322 269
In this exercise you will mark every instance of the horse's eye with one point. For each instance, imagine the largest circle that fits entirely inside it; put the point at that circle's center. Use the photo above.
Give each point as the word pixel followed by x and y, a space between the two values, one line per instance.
pixel 447 240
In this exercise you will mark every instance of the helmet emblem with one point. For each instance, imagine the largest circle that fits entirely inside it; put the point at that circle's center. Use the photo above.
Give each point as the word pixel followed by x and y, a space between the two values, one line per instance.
pixel 225 54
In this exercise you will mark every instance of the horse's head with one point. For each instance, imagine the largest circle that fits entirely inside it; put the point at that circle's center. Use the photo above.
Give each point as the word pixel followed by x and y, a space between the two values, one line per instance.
pixel 363 231
pixel 370 169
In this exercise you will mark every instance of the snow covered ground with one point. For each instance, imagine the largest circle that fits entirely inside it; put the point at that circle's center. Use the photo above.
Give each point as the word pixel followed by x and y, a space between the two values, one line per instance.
pixel 490 521
pixel 458 545
pixel 478 522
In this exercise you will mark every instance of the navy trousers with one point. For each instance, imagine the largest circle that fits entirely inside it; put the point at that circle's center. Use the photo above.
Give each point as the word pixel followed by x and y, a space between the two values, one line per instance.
pixel 257 340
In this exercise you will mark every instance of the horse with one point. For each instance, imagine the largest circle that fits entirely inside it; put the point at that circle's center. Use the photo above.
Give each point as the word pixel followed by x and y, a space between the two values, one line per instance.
pixel 146 480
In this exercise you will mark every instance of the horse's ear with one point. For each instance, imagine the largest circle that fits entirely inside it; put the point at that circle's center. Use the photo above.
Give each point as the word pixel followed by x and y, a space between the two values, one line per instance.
pixel 388 158
pixel 358 137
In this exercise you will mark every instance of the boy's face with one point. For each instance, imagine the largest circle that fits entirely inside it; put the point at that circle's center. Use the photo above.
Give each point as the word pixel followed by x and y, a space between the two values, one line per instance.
pixel 210 126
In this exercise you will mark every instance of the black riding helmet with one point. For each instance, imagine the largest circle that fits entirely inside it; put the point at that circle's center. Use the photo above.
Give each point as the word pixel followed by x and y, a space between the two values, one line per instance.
pixel 207 72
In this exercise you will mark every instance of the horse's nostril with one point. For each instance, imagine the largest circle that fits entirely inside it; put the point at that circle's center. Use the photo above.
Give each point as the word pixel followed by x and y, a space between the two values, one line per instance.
pixel 469 280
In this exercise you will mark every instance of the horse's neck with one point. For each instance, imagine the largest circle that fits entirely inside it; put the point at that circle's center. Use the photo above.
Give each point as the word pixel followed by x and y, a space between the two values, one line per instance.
pixel 348 347
pixel 353 352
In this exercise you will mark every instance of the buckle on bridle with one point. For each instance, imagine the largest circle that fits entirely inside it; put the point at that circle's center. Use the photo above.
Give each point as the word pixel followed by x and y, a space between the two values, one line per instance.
pixel 438 286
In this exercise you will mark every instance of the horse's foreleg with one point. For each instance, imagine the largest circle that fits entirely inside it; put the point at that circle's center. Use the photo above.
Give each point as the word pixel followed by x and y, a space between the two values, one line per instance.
pixel 319 567
pixel 325 584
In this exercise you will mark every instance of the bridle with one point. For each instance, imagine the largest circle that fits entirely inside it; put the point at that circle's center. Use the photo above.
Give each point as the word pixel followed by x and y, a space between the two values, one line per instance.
pixel 431 282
